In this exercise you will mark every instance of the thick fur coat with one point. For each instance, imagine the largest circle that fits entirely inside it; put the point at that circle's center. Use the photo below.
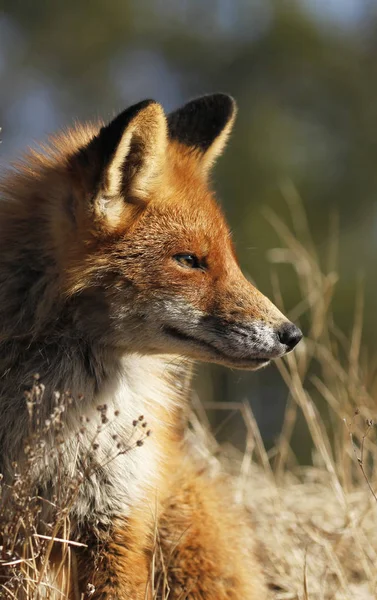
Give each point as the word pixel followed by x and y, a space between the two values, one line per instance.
pixel 117 270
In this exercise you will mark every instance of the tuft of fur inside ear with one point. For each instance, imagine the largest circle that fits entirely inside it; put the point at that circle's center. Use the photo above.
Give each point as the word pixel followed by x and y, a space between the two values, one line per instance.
pixel 204 125
pixel 120 164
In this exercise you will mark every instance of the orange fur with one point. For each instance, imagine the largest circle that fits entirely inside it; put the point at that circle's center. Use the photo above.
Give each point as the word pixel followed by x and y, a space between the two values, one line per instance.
pixel 208 548
pixel 115 260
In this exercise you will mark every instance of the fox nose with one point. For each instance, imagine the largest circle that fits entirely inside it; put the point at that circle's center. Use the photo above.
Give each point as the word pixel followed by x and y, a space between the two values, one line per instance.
pixel 289 335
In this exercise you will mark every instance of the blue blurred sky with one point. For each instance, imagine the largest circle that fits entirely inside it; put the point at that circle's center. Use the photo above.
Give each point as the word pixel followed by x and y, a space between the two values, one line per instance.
pixel 346 13
pixel 38 107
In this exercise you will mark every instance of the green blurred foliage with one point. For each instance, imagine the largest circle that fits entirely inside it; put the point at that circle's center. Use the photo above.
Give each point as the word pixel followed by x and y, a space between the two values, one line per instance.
pixel 307 95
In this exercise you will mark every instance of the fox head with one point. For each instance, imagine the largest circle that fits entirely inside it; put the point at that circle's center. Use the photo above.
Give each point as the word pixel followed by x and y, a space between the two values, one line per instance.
pixel 144 252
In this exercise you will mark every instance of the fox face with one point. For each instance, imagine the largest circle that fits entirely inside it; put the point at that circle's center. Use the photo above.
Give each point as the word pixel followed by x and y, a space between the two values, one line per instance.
pixel 148 259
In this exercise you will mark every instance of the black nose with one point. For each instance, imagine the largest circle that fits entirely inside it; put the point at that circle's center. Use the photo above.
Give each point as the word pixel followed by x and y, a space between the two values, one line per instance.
pixel 289 335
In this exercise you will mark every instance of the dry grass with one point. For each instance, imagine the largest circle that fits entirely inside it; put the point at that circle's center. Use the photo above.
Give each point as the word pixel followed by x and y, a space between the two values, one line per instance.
pixel 316 524
pixel 35 532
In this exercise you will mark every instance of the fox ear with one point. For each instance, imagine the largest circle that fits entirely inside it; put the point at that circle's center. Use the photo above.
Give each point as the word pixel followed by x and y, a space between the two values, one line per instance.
pixel 119 165
pixel 204 125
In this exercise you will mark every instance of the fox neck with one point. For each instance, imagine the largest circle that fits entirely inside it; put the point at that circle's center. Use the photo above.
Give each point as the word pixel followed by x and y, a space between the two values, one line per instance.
pixel 126 419
pixel 142 430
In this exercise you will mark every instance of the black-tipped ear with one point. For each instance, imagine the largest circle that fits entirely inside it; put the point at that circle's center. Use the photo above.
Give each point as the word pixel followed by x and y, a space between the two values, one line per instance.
pixel 123 159
pixel 204 124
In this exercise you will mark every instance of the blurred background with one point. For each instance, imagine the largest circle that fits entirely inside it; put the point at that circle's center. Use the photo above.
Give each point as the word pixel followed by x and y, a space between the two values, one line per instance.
pixel 304 74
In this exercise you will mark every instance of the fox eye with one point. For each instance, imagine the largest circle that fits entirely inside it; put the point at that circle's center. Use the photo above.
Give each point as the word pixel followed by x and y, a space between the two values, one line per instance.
pixel 190 261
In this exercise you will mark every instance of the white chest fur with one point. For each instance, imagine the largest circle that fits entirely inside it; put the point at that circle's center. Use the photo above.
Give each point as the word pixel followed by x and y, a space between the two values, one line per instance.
pixel 120 461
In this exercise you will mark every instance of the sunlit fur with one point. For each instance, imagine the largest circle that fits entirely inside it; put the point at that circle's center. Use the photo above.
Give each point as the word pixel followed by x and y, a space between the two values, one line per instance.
pixel 92 299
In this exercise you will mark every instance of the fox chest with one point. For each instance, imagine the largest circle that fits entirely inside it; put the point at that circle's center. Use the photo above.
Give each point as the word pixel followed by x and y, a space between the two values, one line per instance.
pixel 111 456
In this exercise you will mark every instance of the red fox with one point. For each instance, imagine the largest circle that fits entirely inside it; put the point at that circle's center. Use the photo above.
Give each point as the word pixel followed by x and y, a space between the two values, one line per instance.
pixel 117 270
